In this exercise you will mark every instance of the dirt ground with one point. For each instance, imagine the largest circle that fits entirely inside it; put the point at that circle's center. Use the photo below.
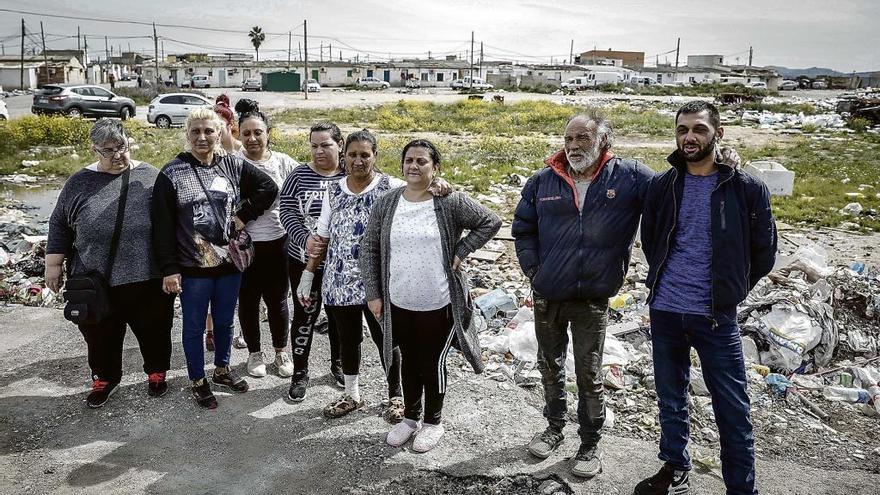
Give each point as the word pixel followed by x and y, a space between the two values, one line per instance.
pixel 259 443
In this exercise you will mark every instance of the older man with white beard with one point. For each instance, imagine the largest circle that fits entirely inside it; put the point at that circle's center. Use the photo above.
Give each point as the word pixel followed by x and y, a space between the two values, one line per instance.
pixel 574 227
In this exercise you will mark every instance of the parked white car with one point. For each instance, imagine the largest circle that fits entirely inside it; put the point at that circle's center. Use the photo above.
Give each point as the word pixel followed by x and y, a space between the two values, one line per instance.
pixel 372 83
pixel 252 84
pixel 819 85
pixel 789 85
pixel 757 85
pixel 479 84
pixel 197 81
pixel 172 108
pixel 313 86
pixel 4 112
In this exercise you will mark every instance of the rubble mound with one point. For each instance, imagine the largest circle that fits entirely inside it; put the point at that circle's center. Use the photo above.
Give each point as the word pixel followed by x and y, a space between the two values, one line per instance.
pixel 437 483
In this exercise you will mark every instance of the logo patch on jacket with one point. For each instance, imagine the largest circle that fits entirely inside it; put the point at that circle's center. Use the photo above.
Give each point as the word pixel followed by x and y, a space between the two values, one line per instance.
pixel 550 198
pixel 610 193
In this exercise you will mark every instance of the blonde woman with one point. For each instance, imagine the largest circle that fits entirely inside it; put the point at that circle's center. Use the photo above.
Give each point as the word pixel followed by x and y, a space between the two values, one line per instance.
pixel 200 199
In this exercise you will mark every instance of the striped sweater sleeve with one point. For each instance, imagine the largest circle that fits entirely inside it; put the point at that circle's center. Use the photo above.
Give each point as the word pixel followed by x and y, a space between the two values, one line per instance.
pixel 291 216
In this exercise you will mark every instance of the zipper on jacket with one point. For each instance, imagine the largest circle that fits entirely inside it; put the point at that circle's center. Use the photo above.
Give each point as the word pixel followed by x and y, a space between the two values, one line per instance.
pixel 712 258
pixel 668 236
pixel 723 219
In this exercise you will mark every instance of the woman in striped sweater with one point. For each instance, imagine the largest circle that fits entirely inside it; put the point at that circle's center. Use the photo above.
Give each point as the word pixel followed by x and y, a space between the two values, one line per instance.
pixel 302 195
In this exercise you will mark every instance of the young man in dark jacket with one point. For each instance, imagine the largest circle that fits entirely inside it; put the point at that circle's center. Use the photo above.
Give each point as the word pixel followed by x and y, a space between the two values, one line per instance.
pixel 574 227
pixel 709 236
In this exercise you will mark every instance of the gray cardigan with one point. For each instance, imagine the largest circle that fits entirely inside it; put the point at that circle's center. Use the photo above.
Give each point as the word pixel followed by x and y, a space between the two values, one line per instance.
pixel 455 213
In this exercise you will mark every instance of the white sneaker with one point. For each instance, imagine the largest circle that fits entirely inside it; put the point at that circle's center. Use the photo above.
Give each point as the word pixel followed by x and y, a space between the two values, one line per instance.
pixel 401 432
pixel 428 437
pixel 284 364
pixel 255 365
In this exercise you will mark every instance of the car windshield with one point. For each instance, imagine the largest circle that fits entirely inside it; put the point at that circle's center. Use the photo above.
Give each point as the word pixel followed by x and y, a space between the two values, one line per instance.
pixel 51 90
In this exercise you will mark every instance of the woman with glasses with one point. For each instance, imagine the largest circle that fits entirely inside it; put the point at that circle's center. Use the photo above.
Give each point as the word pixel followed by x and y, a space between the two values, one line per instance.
pixel 84 218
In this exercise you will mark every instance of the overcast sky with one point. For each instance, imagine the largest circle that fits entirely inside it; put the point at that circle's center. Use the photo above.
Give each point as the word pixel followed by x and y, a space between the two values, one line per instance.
pixel 841 35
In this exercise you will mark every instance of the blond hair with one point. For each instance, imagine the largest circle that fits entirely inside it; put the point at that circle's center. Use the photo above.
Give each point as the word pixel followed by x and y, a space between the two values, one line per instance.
pixel 203 113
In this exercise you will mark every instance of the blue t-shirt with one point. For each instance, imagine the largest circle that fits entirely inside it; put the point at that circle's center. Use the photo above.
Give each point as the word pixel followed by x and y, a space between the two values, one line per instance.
pixel 685 284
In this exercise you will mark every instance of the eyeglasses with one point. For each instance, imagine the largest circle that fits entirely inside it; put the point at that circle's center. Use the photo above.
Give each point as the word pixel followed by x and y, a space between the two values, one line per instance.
pixel 110 152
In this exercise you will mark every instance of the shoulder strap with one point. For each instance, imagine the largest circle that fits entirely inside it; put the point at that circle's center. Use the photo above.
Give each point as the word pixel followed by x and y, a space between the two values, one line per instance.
pixel 117 229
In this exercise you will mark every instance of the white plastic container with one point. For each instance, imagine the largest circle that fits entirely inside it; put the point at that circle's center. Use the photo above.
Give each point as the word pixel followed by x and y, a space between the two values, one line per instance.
pixel 779 179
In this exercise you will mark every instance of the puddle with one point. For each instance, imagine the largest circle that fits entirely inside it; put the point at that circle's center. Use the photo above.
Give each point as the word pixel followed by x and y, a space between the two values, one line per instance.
pixel 38 199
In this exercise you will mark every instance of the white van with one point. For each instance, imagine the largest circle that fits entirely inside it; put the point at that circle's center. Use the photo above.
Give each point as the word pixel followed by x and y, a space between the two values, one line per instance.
pixel 591 80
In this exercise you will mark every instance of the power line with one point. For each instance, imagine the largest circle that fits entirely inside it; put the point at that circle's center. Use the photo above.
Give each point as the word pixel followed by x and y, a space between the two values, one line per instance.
pixel 141 23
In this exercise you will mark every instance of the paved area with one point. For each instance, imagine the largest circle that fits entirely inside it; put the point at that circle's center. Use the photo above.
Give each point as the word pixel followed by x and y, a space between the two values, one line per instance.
pixel 259 443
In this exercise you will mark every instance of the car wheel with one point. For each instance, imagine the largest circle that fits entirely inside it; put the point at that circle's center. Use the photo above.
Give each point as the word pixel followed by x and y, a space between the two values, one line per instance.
pixel 163 122
pixel 75 113
pixel 125 113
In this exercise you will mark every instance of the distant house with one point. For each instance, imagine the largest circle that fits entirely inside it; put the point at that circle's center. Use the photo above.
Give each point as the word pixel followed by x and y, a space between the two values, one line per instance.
pixel 55 69
pixel 667 74
pixel 633 60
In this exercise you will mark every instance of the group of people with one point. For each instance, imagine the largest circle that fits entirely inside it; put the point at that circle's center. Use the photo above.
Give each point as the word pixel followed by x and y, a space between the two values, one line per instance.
pixel 338 230
pixel 708 235
pixel 374 248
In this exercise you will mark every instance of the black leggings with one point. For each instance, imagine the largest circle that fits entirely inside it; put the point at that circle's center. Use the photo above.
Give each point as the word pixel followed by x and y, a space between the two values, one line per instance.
pixel 302 327
pixel 149 312
pixel 349 323
pixel 265 279
pixel 424 338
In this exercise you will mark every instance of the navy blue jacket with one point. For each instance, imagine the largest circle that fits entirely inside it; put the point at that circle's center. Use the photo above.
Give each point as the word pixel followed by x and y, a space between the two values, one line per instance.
pixel 743 230
pixel 576 255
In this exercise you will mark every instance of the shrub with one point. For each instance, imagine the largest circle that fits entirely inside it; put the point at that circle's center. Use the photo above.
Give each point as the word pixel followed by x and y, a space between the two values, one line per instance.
pixel 859 124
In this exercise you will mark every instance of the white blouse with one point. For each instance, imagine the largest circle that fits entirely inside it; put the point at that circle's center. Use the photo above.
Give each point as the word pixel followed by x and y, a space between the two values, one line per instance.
pixel 417 280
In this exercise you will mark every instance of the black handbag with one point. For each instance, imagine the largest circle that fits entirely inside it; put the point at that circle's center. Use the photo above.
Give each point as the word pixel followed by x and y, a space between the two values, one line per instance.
pixel 88 294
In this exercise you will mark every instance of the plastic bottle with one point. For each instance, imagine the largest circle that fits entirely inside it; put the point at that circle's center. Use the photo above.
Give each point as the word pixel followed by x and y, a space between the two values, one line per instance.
pixel 844 394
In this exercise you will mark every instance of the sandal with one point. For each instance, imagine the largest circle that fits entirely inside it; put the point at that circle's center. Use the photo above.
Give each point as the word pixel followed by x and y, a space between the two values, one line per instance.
pixel 394 410
pixel 342 406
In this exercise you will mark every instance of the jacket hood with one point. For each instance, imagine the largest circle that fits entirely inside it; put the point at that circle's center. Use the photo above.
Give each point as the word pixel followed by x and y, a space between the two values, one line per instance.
pixel 559 164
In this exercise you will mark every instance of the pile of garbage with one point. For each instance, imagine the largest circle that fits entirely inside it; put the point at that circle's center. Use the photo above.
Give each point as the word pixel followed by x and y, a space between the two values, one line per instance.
pixel 22 260
pixel 776 120
pixel 810 343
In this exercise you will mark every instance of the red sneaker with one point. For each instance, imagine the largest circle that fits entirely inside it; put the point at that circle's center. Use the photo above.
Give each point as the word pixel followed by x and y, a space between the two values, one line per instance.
pixel 157 386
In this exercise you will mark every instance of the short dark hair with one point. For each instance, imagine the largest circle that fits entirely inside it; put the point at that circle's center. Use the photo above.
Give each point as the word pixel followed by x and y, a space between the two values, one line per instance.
pixel 362 135
pixel 333 129
pixel 698 106
pixel 422 143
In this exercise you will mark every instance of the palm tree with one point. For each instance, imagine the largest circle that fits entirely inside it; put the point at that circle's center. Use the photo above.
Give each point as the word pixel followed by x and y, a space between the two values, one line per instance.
pixel 257 39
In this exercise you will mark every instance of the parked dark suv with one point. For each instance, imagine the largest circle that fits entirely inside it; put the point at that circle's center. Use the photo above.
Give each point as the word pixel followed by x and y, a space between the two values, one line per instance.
pixel 81 100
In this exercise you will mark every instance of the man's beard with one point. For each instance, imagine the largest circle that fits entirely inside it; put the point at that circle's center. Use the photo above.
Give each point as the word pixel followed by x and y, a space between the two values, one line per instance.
pixel 700 154
pixel 588 159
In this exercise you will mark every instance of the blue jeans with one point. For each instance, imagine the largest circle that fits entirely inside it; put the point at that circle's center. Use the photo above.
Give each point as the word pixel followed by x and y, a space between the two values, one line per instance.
pixel 588 320
pixel 720 351
pixel 198 292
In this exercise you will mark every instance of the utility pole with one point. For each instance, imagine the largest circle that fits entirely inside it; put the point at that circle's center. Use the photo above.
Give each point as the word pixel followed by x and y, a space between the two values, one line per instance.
pixel 306 59
pixel 481 60
pixel 289 42
pixel 299 51
pixel 322 52
pixel 677 48
pixel 156 55
pixel 78 45
pixel 163 49
pixel 86 56
pixel 330 52
pixel 22 55
pixel 471 79
pixel 45 57
pixel 571 53
pixel 751 52
pixel 106 51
